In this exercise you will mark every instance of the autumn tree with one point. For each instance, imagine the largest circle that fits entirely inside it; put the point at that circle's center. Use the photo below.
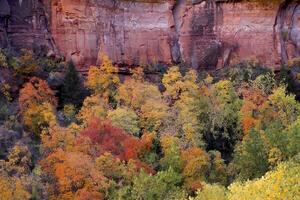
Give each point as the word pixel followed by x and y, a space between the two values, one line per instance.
pixel 278 184
pixel 211 192
pixel 171 153
pixel 271 116
pixel 103 80
pixel 251 159
pixel 184 92
pixel 251 112
pixel 113 168
pixel 195 167
pixel 163 185
pixel 119 173
pixel 37 105
pixel 126 119
pixel 58 137
pixel 282 106
pixel 19 161
pixel 192 118
pixel 93 107
pixel 150 151
pixel 260 111
pixel 145 99
pixel 26 64
pixel 38 118
pixel 173 82
pixel 222 123
pixel 134 93
pixel 36 92
pixel 73 175
pixel 12 188
pixel 152 115
pixel 113 140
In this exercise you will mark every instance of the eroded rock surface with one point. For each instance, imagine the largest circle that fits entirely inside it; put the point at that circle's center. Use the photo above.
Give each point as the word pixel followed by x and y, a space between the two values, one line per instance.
pixel 130 33
pixel 203 34
pixel 23 24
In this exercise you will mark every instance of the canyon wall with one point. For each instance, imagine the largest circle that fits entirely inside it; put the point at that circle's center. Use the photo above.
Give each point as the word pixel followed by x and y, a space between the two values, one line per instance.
pixel 130 33
pixel 23 24
pixel 203 34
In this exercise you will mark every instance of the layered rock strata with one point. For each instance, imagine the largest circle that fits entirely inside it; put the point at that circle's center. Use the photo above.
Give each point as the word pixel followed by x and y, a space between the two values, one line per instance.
pixel 203 34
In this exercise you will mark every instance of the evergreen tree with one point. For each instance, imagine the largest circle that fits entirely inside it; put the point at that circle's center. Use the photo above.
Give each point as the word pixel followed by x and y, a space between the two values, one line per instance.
pixel 72 89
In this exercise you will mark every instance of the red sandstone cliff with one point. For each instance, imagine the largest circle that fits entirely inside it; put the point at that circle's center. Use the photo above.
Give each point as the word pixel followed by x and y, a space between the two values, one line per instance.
pixel 204 34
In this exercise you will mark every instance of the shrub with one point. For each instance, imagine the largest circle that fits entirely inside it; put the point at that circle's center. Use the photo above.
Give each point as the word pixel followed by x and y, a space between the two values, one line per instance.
pixel 245 71
pixel 4 110
pixel 211 192
pixel 3 59
pixel 265 82
pixel 125 119
pixel 162 186
pixel 26 64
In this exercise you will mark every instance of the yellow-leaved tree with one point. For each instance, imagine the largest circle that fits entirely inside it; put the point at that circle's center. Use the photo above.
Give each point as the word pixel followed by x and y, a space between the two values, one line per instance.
pixel 173 82
pixel 103 80
pixel 195 167
pixel 183 92
pixel 282 183
pixel 145 99
pixel 134 92
pixel 12 188
pixel 93 106
pixel 37 104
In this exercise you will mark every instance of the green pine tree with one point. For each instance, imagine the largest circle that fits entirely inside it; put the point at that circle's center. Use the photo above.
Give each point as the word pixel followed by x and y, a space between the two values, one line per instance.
pixel 72 90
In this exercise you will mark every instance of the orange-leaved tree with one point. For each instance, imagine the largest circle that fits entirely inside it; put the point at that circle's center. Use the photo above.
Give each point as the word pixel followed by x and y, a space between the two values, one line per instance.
pixel 72 175
pixel 37 105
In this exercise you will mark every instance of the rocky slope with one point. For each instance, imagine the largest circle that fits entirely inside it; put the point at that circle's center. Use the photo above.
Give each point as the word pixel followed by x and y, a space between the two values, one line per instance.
pixel 203 34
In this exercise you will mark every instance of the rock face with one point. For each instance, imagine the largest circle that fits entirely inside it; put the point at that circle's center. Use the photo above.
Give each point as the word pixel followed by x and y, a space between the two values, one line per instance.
pixel 203 34
pixel 269 34
pixel 4 14
pixel 130 33
pixel 24 25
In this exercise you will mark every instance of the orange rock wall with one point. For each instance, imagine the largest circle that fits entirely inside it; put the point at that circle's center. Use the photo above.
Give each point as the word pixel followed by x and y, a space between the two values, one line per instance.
pixel 202 34
pixel 130 33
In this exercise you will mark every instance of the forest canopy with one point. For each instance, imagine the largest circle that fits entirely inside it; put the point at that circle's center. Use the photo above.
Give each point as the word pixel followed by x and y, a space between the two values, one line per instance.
pixel 233 134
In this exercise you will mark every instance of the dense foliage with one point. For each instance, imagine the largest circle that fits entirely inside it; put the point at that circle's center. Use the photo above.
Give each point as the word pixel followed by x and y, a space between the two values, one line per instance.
pixel 231 136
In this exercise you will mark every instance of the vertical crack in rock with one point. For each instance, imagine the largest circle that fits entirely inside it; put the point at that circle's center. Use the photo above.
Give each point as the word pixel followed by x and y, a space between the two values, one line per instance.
pixel 278 30
pixel 293 36
pixel 4 16
pixel 176 48
pixel 49 36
